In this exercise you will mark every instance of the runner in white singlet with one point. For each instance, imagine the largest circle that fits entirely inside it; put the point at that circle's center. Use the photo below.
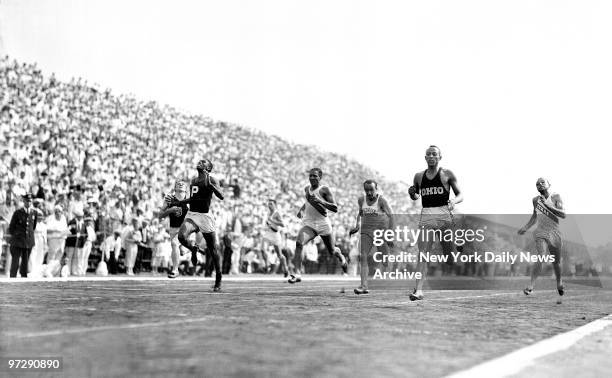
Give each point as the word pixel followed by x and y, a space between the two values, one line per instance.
pixel 272 234
pixel 319 200
pixel 547 210
pixel 374 214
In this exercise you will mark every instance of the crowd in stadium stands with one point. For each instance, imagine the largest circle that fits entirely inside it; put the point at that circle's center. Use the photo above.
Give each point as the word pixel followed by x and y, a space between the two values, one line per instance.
pixel 99 164
pixel 84 152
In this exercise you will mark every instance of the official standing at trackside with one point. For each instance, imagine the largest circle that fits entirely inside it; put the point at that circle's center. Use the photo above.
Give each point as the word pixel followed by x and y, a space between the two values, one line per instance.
pixel 21 236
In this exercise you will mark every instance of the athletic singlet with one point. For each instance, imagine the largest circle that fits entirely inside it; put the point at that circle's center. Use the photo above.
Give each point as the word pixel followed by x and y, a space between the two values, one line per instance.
pixel 547 221
pixel 372 217
pixel 201 195
pixel 269 223
pixel 433 192
pixel 177 220
pixel 310 213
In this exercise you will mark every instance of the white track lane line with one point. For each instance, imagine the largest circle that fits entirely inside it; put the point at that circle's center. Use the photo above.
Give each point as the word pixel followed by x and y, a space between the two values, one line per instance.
pixel 474 296
pixel 518 360
pixel 119 327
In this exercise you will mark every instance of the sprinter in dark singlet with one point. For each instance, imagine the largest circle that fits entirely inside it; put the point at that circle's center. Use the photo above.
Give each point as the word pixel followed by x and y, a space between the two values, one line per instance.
pixel 433 187
pixel 199 218
pixel 176 215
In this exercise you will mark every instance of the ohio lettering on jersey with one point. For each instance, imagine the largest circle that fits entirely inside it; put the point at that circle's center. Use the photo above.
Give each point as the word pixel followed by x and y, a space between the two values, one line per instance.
pixel 432 191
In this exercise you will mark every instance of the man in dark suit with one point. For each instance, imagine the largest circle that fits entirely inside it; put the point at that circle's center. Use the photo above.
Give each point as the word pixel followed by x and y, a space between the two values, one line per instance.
pixel 21 236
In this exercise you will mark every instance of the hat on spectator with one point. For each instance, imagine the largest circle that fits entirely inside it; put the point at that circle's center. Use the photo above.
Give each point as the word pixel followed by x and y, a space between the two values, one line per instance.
pixel 58 208
pixel 27 196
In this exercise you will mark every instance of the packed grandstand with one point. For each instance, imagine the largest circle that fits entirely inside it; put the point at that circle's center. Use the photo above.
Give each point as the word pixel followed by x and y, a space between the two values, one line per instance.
pixel 114 157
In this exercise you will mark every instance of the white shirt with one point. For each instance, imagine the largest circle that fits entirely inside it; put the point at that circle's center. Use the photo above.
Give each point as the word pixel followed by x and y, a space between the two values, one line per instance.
pixel 57 228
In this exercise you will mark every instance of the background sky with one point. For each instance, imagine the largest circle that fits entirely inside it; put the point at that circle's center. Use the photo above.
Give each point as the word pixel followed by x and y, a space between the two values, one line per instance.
pixel 509 90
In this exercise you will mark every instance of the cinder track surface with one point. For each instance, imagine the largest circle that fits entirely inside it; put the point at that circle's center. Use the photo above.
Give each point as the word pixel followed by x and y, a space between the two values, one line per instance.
pixel 268 327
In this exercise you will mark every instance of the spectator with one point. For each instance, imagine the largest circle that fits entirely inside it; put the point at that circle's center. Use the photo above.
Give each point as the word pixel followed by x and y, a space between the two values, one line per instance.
pixel 157 236
pixel 163 249
pixel 131 237
pixel 76 205
pixel 21 236
pixel 20 185
pixel 145 247
pixel 75 242
pixel 238 242
pixel 116 215
pixel 354 256
pixel 37 256
pixel 227 253
pixel 3 246
pixel 251 261
pixel 57 231
pixel 89 240
pixel 271 260
pixel 111 249
pixel 236 188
